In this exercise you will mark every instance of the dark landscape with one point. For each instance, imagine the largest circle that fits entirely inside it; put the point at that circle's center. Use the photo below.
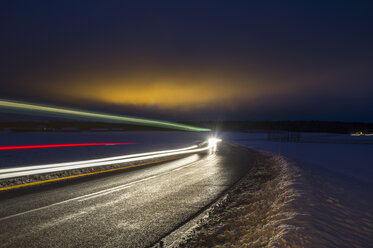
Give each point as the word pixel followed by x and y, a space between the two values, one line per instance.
pixel 186 124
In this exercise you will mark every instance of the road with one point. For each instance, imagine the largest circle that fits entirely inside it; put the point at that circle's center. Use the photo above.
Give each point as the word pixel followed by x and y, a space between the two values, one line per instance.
pixel 132 208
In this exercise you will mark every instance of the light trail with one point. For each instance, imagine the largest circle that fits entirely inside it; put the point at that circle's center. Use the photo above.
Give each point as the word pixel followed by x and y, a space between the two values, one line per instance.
pixel 22 106
pixel 82 175
pixel 60 145
pixel 48 168
pixel 91 161
pixel 81 166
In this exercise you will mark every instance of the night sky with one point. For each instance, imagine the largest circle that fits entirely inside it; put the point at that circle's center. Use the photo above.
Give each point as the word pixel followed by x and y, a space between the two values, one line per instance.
pixel 191 60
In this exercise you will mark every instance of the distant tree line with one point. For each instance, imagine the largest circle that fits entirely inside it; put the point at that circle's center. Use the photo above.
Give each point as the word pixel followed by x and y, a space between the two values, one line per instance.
pixel 239 125
pixel 290 126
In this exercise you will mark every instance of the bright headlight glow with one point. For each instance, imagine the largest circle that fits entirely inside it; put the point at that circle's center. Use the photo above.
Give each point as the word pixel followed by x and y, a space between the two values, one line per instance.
pixel 213 141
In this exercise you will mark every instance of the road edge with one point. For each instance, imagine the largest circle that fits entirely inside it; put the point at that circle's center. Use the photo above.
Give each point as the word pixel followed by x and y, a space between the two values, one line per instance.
pixel 178 235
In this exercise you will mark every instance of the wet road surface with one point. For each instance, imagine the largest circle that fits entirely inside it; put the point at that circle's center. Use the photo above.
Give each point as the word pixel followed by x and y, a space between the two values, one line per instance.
pixel 133 208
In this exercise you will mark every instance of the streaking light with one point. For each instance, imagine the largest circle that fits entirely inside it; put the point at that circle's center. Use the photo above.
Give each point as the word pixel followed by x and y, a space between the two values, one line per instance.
pixel 60 145
pixel 91 161
pixel 40 169
pixel 95 116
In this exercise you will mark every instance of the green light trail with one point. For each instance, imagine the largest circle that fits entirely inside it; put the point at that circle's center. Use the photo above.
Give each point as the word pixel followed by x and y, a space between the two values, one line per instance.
pixel 69 113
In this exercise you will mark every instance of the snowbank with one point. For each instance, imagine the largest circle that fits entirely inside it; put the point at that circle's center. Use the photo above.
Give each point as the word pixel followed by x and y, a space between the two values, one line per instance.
pixel 256 212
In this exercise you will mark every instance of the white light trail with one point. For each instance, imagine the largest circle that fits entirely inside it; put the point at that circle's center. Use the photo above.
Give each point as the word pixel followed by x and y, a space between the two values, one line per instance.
pixel 48 168
pixel 35 167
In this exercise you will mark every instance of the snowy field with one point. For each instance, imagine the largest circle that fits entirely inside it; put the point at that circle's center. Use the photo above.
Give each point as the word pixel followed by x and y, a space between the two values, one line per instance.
pixel 332 193
pixel 144 142
pixel 343 154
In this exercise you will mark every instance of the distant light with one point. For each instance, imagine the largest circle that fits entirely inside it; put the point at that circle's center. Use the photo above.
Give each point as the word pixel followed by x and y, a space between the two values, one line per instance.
pixel 60 145
pixel 213 141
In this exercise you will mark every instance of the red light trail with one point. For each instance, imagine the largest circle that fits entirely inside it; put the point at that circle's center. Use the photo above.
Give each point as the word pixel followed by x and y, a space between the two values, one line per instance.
pixel 59 145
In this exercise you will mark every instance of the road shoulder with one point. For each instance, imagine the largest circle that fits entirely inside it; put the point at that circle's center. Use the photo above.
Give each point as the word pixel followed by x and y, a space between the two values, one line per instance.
pixel 254 212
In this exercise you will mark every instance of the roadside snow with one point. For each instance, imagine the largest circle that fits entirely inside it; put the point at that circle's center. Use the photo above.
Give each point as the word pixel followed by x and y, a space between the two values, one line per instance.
pixel 316 198
pixel 257 212
pixel 342 154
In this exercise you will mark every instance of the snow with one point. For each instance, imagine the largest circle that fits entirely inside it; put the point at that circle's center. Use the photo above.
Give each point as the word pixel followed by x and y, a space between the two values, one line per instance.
pixel 344 154
pixel 257 212
pixel 316 192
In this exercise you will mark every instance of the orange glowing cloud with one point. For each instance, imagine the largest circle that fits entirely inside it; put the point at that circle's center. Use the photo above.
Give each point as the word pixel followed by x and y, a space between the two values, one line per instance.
pixel 166 92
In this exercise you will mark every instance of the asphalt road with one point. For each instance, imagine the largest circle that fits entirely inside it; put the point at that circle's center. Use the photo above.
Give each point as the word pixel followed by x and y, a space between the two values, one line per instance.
pixel 133 208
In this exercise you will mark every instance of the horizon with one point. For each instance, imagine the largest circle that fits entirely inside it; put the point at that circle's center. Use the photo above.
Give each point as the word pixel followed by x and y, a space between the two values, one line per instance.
pixel 192 60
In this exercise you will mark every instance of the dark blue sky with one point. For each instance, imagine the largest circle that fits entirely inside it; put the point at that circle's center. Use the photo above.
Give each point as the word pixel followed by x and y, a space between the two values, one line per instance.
pixel 192 59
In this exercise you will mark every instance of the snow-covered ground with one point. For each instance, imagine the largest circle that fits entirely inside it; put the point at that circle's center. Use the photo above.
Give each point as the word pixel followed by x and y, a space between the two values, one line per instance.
pixel 333 197
pixel 347 155
pixel 315 198
pixel 256 212
pixel 145 142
